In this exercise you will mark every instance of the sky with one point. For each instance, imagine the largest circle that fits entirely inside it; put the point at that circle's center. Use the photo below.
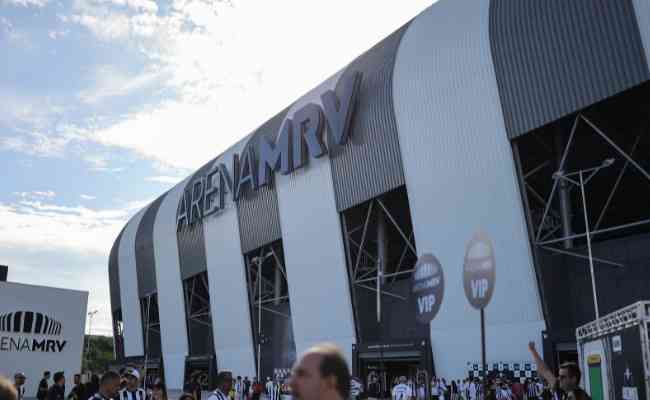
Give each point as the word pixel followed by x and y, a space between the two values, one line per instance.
pixel 106 104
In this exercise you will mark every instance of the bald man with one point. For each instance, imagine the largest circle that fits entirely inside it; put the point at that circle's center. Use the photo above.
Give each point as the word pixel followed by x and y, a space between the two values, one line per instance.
pixel 7 390
pixel 321 373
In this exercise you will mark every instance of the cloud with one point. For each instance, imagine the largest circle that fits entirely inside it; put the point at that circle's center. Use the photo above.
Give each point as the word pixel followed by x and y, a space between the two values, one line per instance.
pixel 34 224
pixel 26 3
pixel 109 81
pixel 36 194
pixel 165 179
pixel 87 197
pixel 54 35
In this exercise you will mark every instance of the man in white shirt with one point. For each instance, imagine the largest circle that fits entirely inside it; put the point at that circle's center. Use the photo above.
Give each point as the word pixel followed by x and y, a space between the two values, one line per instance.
pixel 472 390
pixel 132 390
pixel 402 391
pixel 436 390
pixel 239 389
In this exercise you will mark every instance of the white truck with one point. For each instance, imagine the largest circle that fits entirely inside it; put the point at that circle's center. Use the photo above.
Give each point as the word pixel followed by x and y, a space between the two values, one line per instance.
pixel 614 353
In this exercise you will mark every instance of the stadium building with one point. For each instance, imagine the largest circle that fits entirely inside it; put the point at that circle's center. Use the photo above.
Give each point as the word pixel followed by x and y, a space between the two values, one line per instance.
pixel 526 120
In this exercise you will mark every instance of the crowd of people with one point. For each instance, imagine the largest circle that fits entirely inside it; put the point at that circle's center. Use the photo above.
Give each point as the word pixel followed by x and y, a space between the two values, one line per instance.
pixel 320 374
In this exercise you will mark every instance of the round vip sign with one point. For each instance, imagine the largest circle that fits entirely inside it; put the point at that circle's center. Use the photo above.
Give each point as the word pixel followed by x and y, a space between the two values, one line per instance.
pixel 428 287
pixel 479 273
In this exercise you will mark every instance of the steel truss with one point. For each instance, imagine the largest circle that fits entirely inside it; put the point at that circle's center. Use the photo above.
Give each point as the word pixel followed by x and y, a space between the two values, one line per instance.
pixel 150 319
pixel 267 260
pixel 197 304
pixel 545 234
pixel 370 270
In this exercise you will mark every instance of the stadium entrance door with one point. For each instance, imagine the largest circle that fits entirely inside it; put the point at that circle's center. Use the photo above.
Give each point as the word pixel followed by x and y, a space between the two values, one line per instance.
pixel 389 361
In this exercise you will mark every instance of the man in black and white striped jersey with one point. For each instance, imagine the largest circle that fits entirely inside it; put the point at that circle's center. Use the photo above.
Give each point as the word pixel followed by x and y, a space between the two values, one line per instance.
pixel 273 390
pixel 109 387
pixel 224 384
pixel 132 390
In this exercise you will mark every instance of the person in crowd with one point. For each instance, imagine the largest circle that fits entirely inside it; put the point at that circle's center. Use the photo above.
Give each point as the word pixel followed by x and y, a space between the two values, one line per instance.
pixel 132 391
pixel 268 387
pixel 247 387
pixel 258 388
pixel 321 373
pixel 274 393
pixel 224 384
pixel 19 384
pixel 7 390
pixel 57 390
pixel 187 396
pixel 43 386
pixel 192 386
pixel 159 391
pixel 239 389
pixel 503 392
pixel 518 390
pixel 436 390
pixel 107 387
pixel 374 389
pixel 77 392
pixel 473 390
pixel 566 385
pixel 453 390
pixel 421 390
pixel 92 387
pixel 356 388
pixel 401 391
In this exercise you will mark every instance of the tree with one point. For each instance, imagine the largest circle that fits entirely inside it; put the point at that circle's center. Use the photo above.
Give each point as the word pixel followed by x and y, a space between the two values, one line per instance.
pixel 100 354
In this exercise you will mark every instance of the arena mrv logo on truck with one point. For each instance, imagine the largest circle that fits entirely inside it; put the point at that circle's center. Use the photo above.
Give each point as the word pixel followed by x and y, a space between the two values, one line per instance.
pixel 28 331
pixel 299 139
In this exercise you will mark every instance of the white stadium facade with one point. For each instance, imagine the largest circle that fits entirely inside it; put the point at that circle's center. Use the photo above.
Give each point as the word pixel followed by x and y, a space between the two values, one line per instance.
pixel 456 123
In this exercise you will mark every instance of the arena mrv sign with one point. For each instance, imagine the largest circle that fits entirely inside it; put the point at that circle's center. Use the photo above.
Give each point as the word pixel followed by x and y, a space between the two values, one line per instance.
pixel 298 139
pixel 27 331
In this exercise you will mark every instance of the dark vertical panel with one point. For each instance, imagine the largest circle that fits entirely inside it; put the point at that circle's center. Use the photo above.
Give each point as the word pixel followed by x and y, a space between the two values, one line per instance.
pixel 8 322
pixel 258 213
pixel 17 316
pixel 191 240
pixel 552 58
pixel 370 164
pixel 113 274
pixel 39 323
pixel 29 322
pixel 145 261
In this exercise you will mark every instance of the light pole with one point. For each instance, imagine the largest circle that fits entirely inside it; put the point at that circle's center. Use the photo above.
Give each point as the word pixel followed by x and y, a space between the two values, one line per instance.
pixel 259 260
pixel 582 181
pixel 90 327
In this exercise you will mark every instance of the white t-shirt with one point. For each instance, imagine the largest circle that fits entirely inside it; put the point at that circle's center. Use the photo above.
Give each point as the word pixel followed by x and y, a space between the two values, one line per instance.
pixel 402 392
pixel 435 389
pixel 473 391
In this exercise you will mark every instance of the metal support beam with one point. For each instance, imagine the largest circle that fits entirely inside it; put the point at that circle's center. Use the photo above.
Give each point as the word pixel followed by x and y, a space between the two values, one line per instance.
pixel 363 237
pixel 578 255
pixel 596 232
pixel 555 183
pixel 618 149
pixel 396 225
pixel 382 292
pixel 618 182
pixel 564 198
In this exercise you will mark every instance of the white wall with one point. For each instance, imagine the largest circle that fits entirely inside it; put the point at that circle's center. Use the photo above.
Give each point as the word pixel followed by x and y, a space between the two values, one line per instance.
pixel 321 307
pixel 133 341
pixel 460 178
pixel 65 306
pixel 171 304
pixel 231 322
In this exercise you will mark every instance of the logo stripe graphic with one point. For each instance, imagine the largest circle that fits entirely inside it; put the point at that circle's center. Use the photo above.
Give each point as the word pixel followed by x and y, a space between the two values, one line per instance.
pixel 30 322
